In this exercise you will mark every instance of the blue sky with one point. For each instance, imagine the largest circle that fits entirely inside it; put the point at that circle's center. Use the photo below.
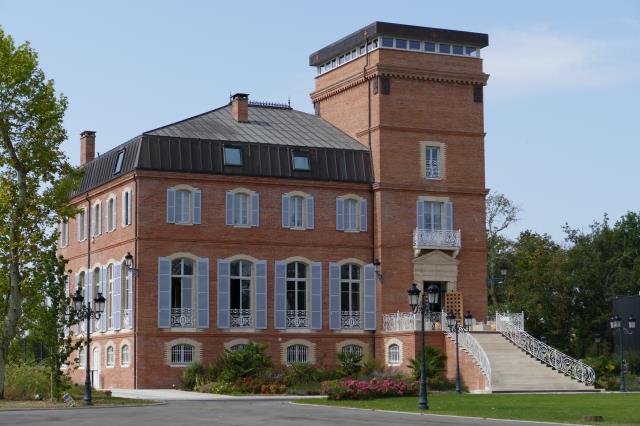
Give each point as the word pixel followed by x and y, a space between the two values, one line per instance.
pixel 562 102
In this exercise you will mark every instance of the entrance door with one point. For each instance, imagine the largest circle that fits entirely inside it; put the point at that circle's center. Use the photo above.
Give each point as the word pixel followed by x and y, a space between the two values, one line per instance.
pixel 95 361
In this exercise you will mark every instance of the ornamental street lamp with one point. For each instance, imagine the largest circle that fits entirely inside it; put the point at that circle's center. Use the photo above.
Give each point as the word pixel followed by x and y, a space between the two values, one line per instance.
pixel 424 305
pixel 616 324
pixel 86 312
pixel 597 338
pixel 453 324
pixel 128 261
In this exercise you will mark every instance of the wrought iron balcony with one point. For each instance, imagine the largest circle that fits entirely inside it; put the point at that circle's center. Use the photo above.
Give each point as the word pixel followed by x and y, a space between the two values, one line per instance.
pixel 297 319
pixel 408 321
pixel 351 320
pixel 440 240
pixel 182 317
pixel 240 318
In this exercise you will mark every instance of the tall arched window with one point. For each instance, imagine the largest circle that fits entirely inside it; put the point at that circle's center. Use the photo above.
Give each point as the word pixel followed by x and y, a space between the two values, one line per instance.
pixel 350 296
pixel 296 212
pixel 241 209
pixel 297 295
pixel 124 297
pixel 109 307
pixel 394 354
pixel 182 293
pixel 124 356
pixel 183 206
pixel 240 298
pixel 111 356
pixel 95 289
pixel 351 215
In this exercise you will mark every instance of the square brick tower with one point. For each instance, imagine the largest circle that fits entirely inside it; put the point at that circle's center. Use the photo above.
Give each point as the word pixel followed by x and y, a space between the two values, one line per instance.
pixel 413 96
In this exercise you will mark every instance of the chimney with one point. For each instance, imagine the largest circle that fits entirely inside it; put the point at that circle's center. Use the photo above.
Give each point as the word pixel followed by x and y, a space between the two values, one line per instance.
pixel 87 146
pixel 240 107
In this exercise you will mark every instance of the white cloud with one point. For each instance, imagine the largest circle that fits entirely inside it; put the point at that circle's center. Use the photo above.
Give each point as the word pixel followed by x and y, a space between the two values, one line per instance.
pixel 535 60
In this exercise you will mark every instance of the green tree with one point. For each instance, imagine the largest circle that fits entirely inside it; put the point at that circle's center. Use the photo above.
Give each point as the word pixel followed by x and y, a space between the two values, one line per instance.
pixel 35 182
pixel 500 214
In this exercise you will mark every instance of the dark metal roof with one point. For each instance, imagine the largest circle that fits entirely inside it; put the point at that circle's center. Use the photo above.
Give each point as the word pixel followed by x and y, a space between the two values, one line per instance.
pixel 278 125
pixel 375 29
pixel 267 142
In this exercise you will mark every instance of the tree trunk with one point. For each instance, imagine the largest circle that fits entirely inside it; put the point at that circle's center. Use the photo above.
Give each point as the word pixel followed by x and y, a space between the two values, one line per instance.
pixel 3 357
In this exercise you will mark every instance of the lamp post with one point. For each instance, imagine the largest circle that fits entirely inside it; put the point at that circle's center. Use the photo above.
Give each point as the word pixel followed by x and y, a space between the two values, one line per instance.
pixel 616 324
pixel 423 304
pixel 597 338
pixel 86 312
pixel 453 325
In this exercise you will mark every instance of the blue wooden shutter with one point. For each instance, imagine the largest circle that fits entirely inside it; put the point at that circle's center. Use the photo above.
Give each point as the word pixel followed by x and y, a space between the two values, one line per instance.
pixel 117 294
pixel 280 296
pixel 203 293
pixel 223 293
pixel 129 312
pixel 369 297
pixel 334 297
pixel 229 208
pixel 310 212
pixel 67 291
pixel 255 209
pixel 363 215
pixel 164 292
pixel 448 214
pixel 86 223
pixel 76 282
pixel 285 211
pixel 316 296
pixel 339 214
pixel 78 223
pixel 420 214
pixel 261 294
pixel 171 205
pixel 114 213
pixel 197 207
pixel 88 291
pixel 100 218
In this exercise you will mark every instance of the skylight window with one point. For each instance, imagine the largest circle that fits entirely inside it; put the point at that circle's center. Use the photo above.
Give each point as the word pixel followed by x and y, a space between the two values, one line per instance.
pixel 301 161
pixel 119 161
pixel 232 156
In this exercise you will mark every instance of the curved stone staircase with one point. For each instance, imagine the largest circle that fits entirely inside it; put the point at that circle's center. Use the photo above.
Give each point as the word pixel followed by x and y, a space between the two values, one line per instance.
pixel 513 370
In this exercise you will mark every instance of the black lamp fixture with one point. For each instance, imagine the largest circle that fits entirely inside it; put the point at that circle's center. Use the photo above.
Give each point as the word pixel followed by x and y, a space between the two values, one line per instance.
pixel 468 320
pixel 616 324
pixel 376 266
pixel 86 312
pixel 128 261
pixel 423 305
pixel 504 269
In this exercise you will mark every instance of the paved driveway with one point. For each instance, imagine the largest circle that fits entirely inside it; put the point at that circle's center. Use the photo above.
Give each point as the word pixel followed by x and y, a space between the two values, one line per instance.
pixel 244 413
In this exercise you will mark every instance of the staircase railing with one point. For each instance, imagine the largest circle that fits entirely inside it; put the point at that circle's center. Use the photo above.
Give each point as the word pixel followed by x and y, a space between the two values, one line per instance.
pixel 563 363
pixel 473 348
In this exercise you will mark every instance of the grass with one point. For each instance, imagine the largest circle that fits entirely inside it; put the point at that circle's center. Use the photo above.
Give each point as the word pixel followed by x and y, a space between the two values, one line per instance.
pixel 617 409
pixel 77 392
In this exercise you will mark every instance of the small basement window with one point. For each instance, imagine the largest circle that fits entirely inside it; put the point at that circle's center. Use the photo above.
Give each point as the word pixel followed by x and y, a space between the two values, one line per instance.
pixel 119 161
pixel 301 161
pixel 232 156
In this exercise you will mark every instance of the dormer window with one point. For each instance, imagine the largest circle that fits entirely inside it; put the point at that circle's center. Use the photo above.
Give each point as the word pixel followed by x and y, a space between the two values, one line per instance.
pixel 444 48
pixel 232 156
pixel 119 161
pixel 301 161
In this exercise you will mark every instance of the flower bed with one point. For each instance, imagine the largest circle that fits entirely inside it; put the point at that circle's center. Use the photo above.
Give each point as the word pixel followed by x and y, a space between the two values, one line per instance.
pixel 242 386
pixel 366 389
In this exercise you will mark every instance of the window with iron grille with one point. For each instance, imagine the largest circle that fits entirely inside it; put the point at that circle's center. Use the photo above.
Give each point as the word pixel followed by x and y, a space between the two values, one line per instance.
pixel 394 353
pixel 353 349
pixel 238 347
pixel 181 354
pixel 111 358
pixel 297 354
pixel 432 162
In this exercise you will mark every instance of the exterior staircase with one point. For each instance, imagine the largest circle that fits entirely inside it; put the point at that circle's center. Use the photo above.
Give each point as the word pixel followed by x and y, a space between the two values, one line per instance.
pixel 513 370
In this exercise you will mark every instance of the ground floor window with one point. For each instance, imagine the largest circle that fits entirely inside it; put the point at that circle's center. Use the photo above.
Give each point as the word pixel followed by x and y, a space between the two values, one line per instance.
pixel 124 356
pixel 354 349
pixel 110 356
pixel 297 354
pixel 181 354
pixel 394 354
pixel 238 347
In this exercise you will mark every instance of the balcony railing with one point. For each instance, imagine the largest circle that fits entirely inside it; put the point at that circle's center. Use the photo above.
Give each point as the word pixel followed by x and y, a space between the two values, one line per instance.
pixel 408 321
pixel 432 239
pixel 351 320
pixel 182 317
pixel 297 319
pixel 240 318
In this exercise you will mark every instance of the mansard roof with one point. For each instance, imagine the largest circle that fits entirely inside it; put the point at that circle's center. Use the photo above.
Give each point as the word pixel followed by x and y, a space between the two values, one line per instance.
pixel 267 143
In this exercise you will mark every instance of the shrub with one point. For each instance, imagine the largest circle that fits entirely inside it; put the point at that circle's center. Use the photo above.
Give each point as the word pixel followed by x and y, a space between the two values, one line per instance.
pixel 192 374
pixel 370 365
pixel 434 364
pixel 301 373
pixel 27 382
pixel 633 362
pixel 248 362
pixel 349 363
pixel 366 389
pixel 243 386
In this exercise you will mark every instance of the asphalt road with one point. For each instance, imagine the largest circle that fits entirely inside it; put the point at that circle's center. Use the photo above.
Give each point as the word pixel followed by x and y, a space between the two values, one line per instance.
pixel 223 413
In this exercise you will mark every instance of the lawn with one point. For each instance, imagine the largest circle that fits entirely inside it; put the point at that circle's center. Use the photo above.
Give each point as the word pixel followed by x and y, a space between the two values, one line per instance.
pixel 77 393
pixel 617 409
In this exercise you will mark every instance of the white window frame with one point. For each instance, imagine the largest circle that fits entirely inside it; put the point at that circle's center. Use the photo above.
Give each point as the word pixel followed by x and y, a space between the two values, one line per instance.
pixel 127 281
pixel 296 281
pixel 229 163
pixel 110 285
pixel 181 193
pixel 237 194
pixel 126 208
pixel 124 355
pixel 64 233
pixel 110 355
pixel 353 348
pixel 350 223
pixel 82 357
pixel 350 281
pixel 96 219
pixel 441 148
pixel 394 354
pixel 243 263
pixel 304 199
pixel 182 354
pixel 297 353
pixel 435 202
pixel 111 213
pixel 81 222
